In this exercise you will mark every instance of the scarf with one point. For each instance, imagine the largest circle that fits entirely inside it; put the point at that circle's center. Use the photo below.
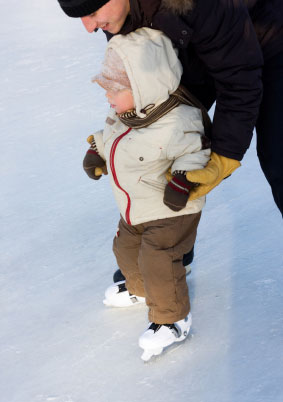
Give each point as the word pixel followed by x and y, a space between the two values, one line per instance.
pixel 180 96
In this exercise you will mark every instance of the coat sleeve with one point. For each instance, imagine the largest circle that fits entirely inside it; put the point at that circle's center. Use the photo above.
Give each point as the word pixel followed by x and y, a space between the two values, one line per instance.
pixel 98 143
pixel 225 40
pixel 185 150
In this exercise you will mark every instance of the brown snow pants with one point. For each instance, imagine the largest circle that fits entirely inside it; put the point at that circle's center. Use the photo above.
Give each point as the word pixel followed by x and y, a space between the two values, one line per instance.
pixel 150 257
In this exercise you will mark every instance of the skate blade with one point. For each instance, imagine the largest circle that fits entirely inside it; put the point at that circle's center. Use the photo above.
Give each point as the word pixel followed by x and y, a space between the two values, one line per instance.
pixel 147 354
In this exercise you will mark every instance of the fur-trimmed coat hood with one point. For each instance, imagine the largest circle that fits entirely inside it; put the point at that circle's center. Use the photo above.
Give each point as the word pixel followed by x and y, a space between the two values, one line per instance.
pixel 178 6
pixel 183 6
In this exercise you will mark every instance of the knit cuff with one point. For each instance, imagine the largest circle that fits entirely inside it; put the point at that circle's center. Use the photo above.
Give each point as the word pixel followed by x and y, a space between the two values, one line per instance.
pixel 182 186
pixel 183 172
pixel 93 147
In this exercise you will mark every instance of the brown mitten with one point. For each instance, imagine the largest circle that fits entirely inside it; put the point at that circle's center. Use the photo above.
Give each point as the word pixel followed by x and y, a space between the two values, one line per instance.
pixel 93 164
pixel 177 192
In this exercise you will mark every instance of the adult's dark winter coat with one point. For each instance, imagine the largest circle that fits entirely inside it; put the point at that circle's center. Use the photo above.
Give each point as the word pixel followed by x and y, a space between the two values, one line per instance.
pixel 222 46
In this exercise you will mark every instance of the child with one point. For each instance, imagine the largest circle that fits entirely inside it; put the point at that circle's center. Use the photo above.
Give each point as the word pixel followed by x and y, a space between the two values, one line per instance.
pixel 148 130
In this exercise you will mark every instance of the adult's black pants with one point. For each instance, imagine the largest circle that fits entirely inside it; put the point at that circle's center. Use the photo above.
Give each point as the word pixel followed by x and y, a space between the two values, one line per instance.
pixel 269 127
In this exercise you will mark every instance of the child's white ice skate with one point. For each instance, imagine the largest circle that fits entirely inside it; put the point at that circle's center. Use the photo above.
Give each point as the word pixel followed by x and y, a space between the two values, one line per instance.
pixel 117 295
pixel 158 336
pixel 188 269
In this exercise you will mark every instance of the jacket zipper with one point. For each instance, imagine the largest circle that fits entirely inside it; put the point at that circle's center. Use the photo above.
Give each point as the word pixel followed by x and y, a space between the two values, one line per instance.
pixel 113 170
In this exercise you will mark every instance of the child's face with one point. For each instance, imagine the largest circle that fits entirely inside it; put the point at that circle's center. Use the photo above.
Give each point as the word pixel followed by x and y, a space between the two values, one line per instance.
pixel 121 100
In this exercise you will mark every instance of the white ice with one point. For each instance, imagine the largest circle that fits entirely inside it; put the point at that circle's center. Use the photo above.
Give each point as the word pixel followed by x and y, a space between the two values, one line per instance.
pixel 58 342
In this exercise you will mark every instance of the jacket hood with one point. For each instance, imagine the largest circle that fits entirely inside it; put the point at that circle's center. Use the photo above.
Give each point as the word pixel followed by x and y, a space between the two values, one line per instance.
pixel 151 64
pixel 178 6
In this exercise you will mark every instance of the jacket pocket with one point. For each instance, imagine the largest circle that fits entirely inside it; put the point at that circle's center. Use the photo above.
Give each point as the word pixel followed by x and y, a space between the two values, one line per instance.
pixel 141 153
pixel 153 184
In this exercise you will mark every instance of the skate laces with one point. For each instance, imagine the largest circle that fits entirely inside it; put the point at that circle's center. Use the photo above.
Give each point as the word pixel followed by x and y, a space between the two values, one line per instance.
pixel 173 328
pixel 122 287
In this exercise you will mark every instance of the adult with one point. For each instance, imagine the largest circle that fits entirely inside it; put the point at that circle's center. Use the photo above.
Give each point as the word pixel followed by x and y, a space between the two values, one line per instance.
pixel 232 53
pixel 222 45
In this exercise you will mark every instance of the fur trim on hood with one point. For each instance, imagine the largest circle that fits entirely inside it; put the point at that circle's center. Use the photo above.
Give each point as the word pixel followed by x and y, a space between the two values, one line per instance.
pixel 178 6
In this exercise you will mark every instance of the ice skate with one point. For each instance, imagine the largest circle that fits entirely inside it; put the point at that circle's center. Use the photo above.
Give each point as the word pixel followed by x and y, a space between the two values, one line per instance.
pixel 158 336
pixel 117 295
pixel 188 269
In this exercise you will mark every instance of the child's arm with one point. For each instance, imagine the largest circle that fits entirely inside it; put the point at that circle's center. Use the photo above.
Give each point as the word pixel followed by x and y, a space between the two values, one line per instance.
pixel 189 151
pixel 94 160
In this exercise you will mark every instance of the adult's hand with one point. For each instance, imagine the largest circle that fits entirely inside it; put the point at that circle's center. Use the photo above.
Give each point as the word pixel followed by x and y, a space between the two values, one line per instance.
pixel 218 168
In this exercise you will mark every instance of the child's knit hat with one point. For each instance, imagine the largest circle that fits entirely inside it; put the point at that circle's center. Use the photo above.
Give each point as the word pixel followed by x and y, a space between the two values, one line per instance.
pixel 113 75
pixel 81 8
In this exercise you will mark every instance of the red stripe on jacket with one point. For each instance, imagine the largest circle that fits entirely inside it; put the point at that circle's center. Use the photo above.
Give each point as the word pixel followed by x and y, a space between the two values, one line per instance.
pixel 113 170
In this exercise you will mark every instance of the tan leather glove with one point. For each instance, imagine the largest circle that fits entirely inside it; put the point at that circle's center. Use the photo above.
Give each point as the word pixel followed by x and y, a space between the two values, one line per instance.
pixel 169 175
pixel 218 168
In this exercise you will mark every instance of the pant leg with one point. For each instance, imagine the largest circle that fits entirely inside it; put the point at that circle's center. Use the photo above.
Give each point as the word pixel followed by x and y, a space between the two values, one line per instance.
pixel 163 244
pixel 187 260
pixel 126 247
pixel 269 127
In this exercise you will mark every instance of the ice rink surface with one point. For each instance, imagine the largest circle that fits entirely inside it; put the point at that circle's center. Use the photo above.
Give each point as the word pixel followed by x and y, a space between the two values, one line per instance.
pixel 58 342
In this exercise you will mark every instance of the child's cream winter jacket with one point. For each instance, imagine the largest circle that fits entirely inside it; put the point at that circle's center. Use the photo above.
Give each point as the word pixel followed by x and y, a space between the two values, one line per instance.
pixel 138 159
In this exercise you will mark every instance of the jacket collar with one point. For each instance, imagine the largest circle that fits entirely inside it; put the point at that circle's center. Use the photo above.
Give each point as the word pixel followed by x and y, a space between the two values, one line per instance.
pixel 149 8
pixel 178 7
pixel 141 15
pixel 152 13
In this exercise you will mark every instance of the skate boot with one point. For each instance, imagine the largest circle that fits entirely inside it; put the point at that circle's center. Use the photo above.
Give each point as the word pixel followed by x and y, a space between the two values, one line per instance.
pixel 117 295
pixel 118 276
pixel 158 336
